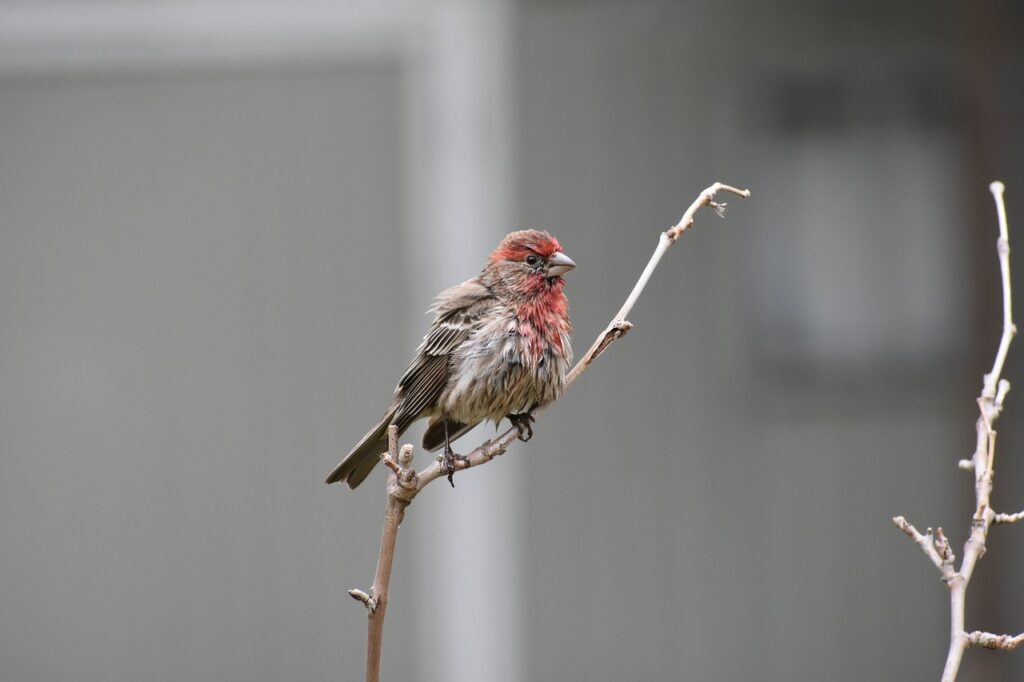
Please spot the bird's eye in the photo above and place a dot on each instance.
(531, 260)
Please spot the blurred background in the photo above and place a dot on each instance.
(221, 222)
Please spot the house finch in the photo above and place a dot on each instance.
(499, 347)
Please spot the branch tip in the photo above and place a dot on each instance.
(405, 456)
(935, 549)
(1001, 391)
(369, 602)
(393, 440)
(706, 198)
(390, 463)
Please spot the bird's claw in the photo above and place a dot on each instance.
(524, 424)
(448, 461)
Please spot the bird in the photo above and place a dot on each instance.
(499, 346)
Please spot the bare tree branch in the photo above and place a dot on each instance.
(401, 489)
(404, 483)
(1007, 518)
(990, 641)
(619, 326)
(935, 547)
(982, 462)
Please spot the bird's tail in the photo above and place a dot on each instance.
(364, 456)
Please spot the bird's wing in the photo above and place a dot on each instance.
(459, 310)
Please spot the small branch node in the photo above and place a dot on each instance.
(405, 476)
(987, 391)
(494, 448)
(1004, 388)
(390, 463)
(405, 456)
(966, 464)
(1003, 246)
(675, 232)
(927, 543)
(986, 404)
(615, 331)
(409, 482)
(945, 551)
(369, 602)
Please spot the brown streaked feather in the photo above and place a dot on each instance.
(422, 392)
(426, 378)
(460, 298)
(422, 384)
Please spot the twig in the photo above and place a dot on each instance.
(619, 326)
(1007, 518)
(401, 489)
(404, 483)
(936, 549)
(1009, 329)
(990, 641)
(990, 405)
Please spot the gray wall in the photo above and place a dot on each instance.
(179, 339)
(713, 502)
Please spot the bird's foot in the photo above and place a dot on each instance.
(524, 424)
(448, 461)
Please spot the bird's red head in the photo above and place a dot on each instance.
(517, 246)
(528, 265)
(533, 255)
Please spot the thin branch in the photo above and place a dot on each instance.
(934, 547)
(990, 641)
(1009, 328)
(982, 462)
(618, 326)
(401, 489)
(1001, 519)
(404, 483)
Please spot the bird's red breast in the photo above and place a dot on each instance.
(544, 316)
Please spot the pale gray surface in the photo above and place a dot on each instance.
(714, 500)
(180, 332)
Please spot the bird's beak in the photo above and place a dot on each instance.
(559, 264)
